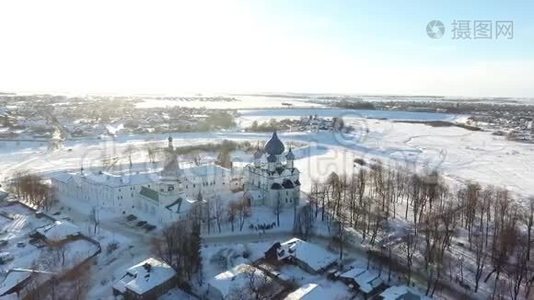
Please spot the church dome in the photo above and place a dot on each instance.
(274, 145)
(290, 155)
(271, 158)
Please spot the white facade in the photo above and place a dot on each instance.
(272, 180)
(165, 195)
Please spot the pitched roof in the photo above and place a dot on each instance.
(236, 278)
(59, 230)
(403, 292)
(314, 256)
(145, 276)
(149, 193)
(308, 291)
(367, 280)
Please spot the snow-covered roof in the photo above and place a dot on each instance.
(367, 280)
(404, 292)
(205, 170)
(12, 296)
(62, 177)
(12, 279)
(236, 278)
(59, 230)
(314, 256)
(145, 276)
(118, 180)
(310, 291)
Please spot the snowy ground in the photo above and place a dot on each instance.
(241, 102)
(459, 153)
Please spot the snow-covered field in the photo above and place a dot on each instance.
(240, 103)
(459, 153)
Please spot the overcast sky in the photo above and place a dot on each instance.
(172, 47)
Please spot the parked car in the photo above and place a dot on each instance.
(149, 227)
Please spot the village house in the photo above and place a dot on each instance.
(309, 257)
(234, 282)
(367, 282)
(146, 280)
(309, 291)
(401, 292)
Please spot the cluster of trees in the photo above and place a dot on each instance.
(155, 152)
(32, 189)
(179, 245)
(272, 125)
(498, 230)
(214, 212)
(354, 104)
(217, 120)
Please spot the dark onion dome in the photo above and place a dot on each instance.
(274, 145)
(287, 184)
(290, 155)
(276, 186)
(297, 182)
(271, 158)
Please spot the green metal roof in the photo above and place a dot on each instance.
(150, 193)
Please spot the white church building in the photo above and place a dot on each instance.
(272, 178)
(165, 194)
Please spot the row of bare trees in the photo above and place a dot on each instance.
(498, 229)
(32, 189)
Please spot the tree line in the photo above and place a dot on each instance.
(435, 217)
(32, 189)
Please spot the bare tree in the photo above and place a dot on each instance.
(95, 219)
(304, 223)
(231, 214)
(179, 246)
(259, 285)
(218, 211)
